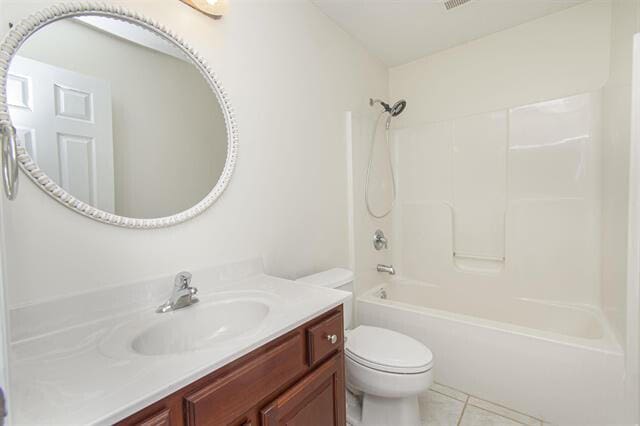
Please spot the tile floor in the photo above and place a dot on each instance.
(444, 406)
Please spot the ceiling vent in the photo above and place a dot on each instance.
(450, 4)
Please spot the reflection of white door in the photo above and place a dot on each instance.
(63, 119)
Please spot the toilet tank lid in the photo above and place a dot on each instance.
(333, 278)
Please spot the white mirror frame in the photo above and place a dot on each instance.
(20, 32)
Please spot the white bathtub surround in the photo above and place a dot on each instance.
(87, 372)
(498, 211)
(557, 363)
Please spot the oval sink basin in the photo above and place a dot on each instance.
(199, 327)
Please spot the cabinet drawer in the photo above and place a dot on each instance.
(325, 338)
(230, 396)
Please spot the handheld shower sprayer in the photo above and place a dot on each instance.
(392, 111)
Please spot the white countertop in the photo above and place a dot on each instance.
(80, 376)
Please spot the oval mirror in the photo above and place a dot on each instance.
(117, 119)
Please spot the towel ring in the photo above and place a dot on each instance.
(9, 161)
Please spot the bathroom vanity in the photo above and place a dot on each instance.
(297, 379)
(255, 349)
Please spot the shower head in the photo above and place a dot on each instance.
(394, 110)
(398, 107)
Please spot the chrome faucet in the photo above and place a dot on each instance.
(182, 295)
(386, 268)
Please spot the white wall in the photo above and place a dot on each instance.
(291, 75)
(162, 109)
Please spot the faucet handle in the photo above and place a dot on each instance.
(182, 280)
(379, 240)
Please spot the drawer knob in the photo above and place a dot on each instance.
(332, 338)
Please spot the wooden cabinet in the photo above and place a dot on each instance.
(298, 379)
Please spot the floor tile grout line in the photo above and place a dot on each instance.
(506, 408)
(449, 396)
(462, 412)
(502, 415)
(490, 402)
(455, 389)
(469, 396)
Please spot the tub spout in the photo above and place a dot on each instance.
(386, 268)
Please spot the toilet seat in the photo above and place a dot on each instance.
(387, 351)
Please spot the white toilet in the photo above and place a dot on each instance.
(386, 370)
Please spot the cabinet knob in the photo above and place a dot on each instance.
(332, 338)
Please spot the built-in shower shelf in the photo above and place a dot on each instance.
(479, 263)
(478, 257)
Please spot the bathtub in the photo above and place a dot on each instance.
(554, 361)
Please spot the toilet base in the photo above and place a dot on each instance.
(354, 408)
(377, 411)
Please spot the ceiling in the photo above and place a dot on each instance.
(400, 31)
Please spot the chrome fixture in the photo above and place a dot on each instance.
(379, 240)
(391, 111)
(386, 268)
(394, 110)
(182, 295)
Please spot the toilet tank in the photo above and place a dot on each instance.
(340, 279)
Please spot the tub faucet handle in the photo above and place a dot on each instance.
(379, 240)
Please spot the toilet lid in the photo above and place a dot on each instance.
(387, 350)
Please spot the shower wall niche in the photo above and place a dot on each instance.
(508, 199)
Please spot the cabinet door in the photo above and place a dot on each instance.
(225, 399)
(316, 400)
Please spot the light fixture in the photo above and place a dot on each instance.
(213, 8)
